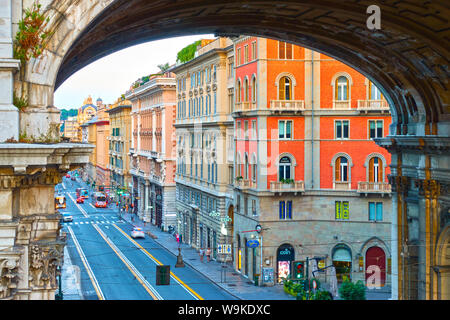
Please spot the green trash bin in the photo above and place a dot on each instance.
(256, 279)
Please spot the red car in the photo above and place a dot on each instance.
(80, 200)
(67, 175)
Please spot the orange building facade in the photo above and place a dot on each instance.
(306, 168)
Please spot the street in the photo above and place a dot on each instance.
(114, 266)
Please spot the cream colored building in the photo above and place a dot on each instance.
(119, 146)
(71, 129)
(204, 133)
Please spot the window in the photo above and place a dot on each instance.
(254, 130)
(341, 88)
(375, 170)
(374, 92)
(285, 168)
(245, 53)
(254, 207)
(284, 50)
(254, 168)
(285, 210)
(238, 133)
(254, 50)
(246, 129)
(375, 129)
(341, 210)
(375, 211)
(245, 166)
(285, 89)
(238, 57)
(246, 89)
(238, 204)
(285, 129)
(245, 205)
(254, 89)
(341, 129)
(341, 169)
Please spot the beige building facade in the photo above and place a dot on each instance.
(204, 135)
(152, 160)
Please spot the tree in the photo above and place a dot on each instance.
(163, 67)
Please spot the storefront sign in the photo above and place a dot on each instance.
(252, 243)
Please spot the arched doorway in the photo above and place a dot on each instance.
(442, 268)
(285, 256)
(375, 267)
(342, 261)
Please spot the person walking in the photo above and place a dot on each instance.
(208, 254)
(201, 252)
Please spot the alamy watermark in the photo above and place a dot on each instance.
(373, 22)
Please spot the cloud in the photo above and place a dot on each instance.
(112, 75)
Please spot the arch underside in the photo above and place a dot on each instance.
(407, 58)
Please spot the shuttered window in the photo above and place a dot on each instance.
(285, 89)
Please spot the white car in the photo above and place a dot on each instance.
(66, 217)
(137, 233)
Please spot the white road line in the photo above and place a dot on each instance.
(78, 206)
(129, 264)
(86, 264)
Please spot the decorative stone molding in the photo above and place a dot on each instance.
(9, 263)
(45, 260)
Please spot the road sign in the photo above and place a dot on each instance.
(224, 248)
(252, 243)
(258, 228)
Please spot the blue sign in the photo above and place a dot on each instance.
(252, 243)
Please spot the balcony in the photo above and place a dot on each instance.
(373, 187)
(244, 106)
(373, 105)
(287, 105)
(342, 185)
(341, 104)
(295, 186)
(245, 184)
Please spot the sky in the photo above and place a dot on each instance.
(110, 76)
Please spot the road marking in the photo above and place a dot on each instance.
(185, 286)
(91, 275)
(147, 286)
(78, 206)
(92, 206)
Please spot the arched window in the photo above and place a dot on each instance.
(246, 91)
(375, 170)
(238, 165)
(341, 88)
(341, 169)
(254, 168)
(285, 168)
(246, 166)
(285, 88)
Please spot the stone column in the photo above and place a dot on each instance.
(9, 114)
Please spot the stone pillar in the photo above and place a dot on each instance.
(9, 114)
(394, 250)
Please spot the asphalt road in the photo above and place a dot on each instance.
(113, 266)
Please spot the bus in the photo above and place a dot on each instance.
(84, 193)
(99, 200)
(60, 202)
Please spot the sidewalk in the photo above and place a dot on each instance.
(235, 283)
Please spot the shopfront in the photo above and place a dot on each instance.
(285, 256)
(342, 261)
(375, 267)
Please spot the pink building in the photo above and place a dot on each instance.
(152, 152)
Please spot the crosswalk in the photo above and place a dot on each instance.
(94, 222)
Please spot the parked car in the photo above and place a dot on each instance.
(80, 200)
(66, 217)
(72, 178)
(137, 233)
(67, 175)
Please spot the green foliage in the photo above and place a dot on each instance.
(352, 291)
(31, 38)
(287, 181)
(164, 67)
(20, 103)
(188, 52)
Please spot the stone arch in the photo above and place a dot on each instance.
(82, 34)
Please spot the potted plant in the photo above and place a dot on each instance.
(352, 291)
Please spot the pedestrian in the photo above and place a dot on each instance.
(201, 252)
(126, 208)
(208, 254)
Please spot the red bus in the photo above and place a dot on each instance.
(99, 200)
